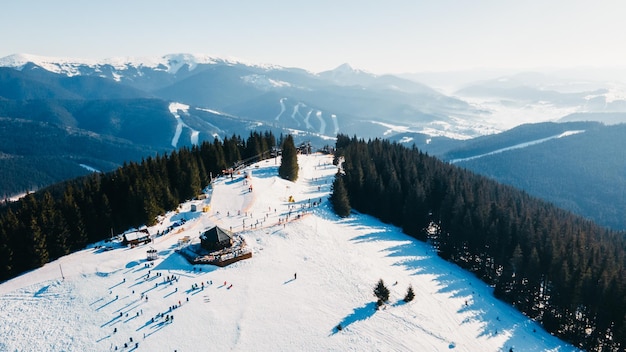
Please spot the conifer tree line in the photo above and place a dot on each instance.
(559, 269)
(66, 217)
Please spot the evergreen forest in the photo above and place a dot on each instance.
(63, 218)
(557, 268)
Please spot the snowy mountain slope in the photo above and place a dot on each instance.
(251, 91)
(96, 299)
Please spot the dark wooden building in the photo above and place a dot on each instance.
(216, 238)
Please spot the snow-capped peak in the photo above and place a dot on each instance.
(170, 63)
(346, 68)
(63, 65)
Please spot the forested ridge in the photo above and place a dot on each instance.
(66, 217)
(583, 172)
(557, 268)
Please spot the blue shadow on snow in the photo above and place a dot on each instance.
(360, 313)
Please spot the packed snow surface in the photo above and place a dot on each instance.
(100, 298)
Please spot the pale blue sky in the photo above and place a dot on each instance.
(390, 36)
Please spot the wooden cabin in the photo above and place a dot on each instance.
(216, 238)
(136, 237)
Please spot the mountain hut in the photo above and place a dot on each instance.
(136, 237)
(216, 238)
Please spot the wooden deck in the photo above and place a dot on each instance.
(221, 258)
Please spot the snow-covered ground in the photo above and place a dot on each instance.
(97, 300)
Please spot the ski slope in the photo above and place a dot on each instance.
(95, 299)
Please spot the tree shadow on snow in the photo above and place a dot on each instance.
(360, 313)
(476, 301)
(266, 171)
(175, 261)
(379, 234)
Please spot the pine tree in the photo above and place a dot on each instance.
(6, 252)
(409, 294)
(289, 162)
(339, 199)
(38, 251)
(381, 292)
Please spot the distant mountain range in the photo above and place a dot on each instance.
(342, 100)
(158, 104)
(61, 118)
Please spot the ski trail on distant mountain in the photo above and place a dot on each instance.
(194, 137)
(318, 114)
(282, 108)
(518, 146)
(333, 117)
(296, 111)
(174, 109)
(306, 120)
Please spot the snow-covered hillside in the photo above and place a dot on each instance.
(98, 300)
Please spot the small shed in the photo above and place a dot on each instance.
(152, 254)
(216, 238)
(136, 237)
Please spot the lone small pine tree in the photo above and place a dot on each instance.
(409, 294)
(381, 292)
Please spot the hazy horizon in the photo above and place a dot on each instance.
(390, 37)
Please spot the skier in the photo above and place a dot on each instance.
(295, 276)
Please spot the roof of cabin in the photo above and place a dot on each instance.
(216, 235)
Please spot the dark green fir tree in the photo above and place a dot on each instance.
(409, 294)
(339, 198)
(381, 292)
(289, 163)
